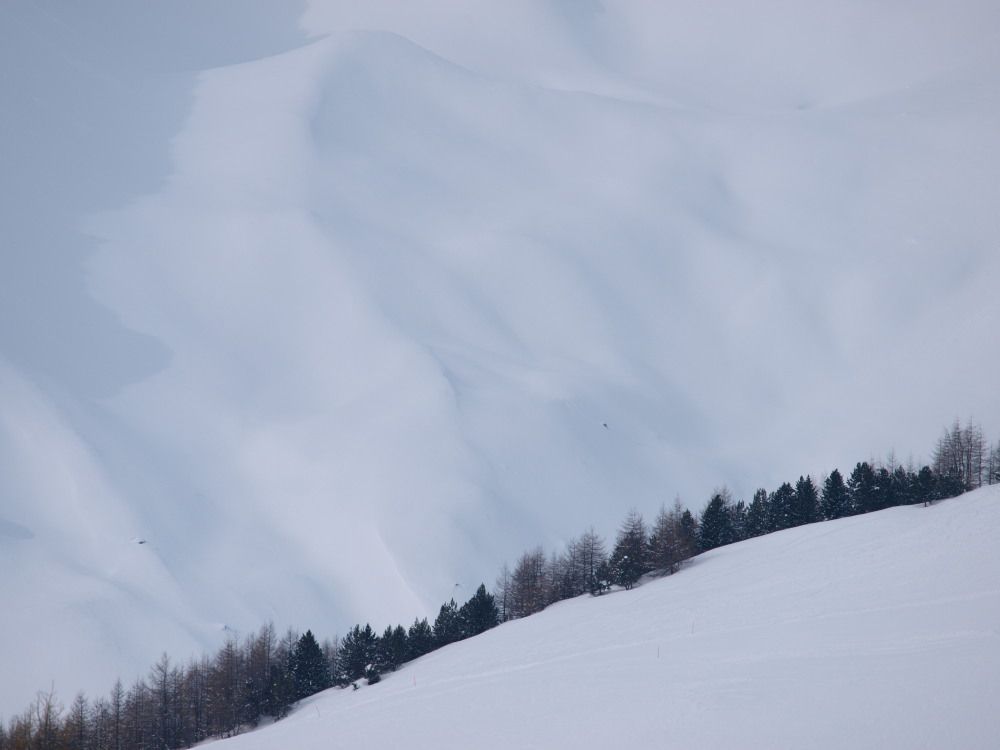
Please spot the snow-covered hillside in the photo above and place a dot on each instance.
(878, 631)
(337, 306)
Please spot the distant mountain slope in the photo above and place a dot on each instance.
(871, 632)
(336, 322)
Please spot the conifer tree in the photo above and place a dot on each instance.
(76, 728)
(420, 639)
(116, 706)
(662, 539)
(447, 625)
(806, 504)
(392, 648)
(331, 653)
(900, 487)
(47, 720)
(529, 584)
(949, 485)
(960, 456)
(924, 486)
(502, 592)
(883, 496)
(260, 651)
(602, 578)
(738, 520)
(593, 558)
(689, 534)
(309, 667)
(281, 681)
(780, 505)
(836, 501)
(358, 652)
(224, 689)
(562, 575)
(756, 523)
(628, 558)
(863, 487)
(162, 699)
(479, 614)
(667, 547)
(716, 527)
(98, 727)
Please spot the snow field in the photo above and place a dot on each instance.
(879, 631)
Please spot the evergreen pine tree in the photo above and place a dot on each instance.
(923, 489)
(949, 485)
(420, 639)
(738, 520)
(479, 614)
(628, 558)
(883, 491)
(392, 648)
(716, 527)
(863, 487)
(358, 652)
(780, 506)
(836, 501)
(805, 508)
(689, 535)
(280, 689)
(756, 522)
(447, 625)
(309, 667)
(900, 487)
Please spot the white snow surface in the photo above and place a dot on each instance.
(337, 316)
(878, 631)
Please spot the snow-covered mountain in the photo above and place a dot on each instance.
(870, 632)
(335, 307)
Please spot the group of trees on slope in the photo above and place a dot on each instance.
(962, 461)
(260, 675)
(586, 566)
(263, 674)
(963, 457)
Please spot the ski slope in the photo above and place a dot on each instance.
(879, 631)
(286, 287)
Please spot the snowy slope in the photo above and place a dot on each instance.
(280, 300)
(879, 631)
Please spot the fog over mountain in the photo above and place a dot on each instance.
(312, 313)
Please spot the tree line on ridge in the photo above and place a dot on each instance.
(264, 674)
